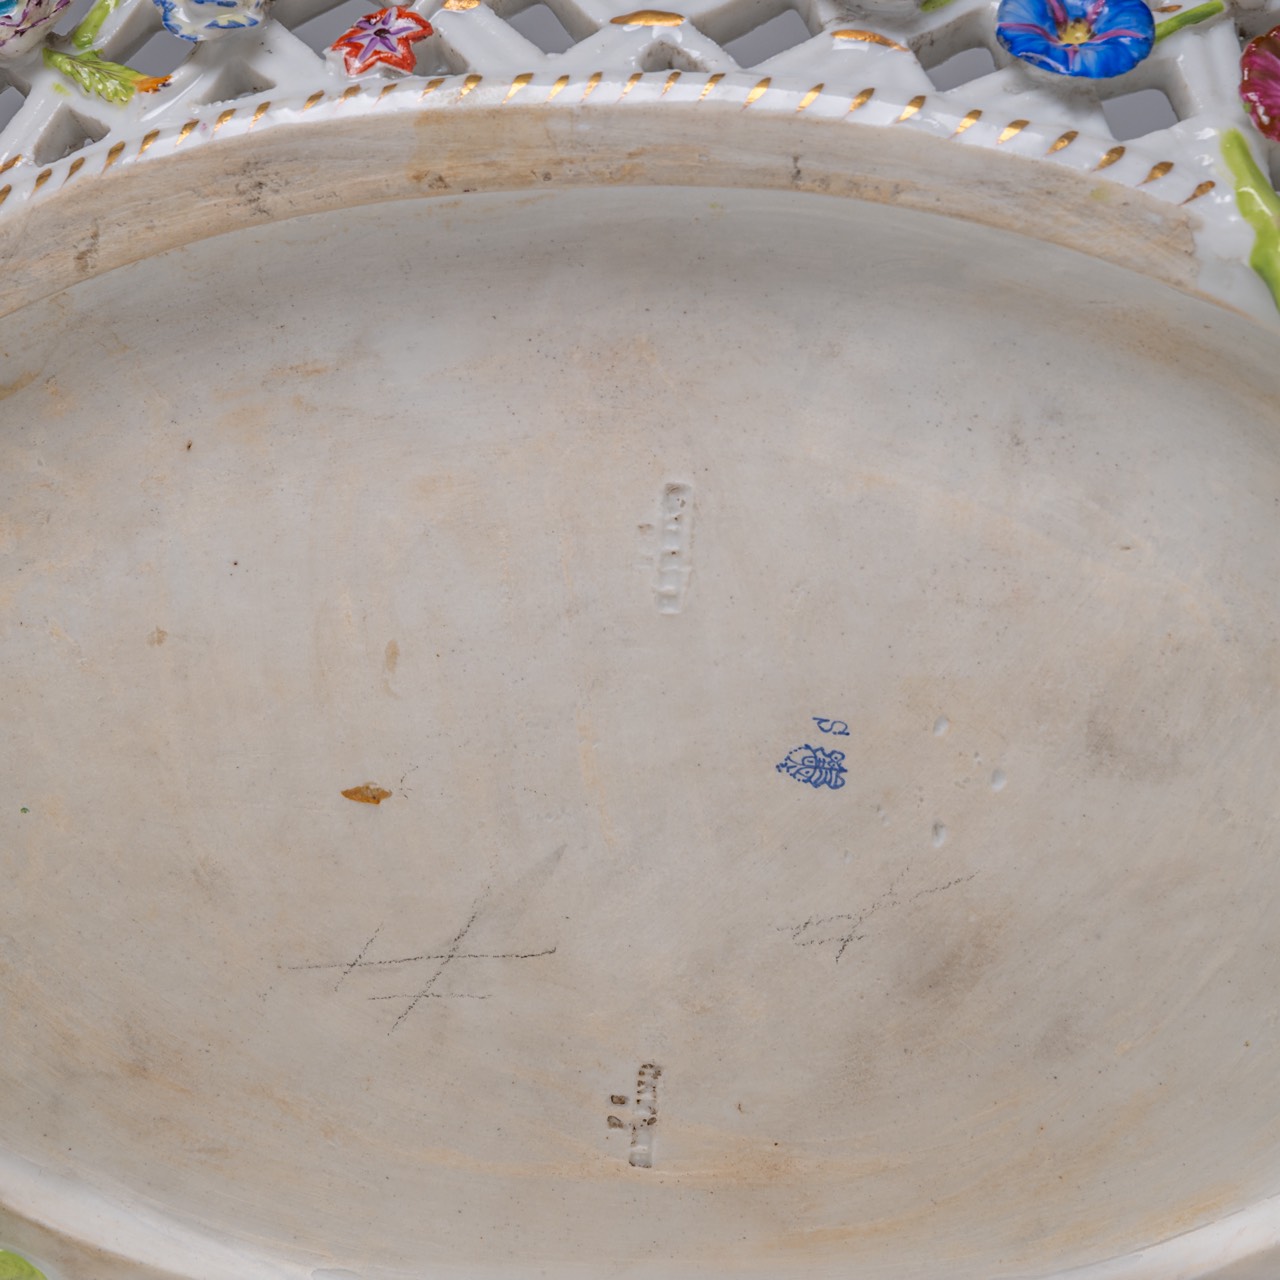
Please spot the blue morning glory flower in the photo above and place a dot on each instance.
(1093, 38)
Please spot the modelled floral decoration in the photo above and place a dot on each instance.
(814, 765)
(1260, 82)
(209, 19)
(382, 39)
(107, 80)
(83, 65)
(1259, 206)
(1092, 38)
(24, 25)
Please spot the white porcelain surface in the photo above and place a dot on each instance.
(564, 518)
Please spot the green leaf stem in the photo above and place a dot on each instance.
(1259, 206)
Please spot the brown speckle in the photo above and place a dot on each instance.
(392, 657)
(367, 793)
(87, 252)
(189, 444)
(158, 636)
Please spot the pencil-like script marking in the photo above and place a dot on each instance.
(432, 966)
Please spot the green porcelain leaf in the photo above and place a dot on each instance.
(1259, 206)
(108, 80)
(12, 1267)
(87, 32)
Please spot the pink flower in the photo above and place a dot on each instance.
(382, 38)
(1260, 82)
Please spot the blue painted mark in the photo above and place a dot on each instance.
(836, 727)
(815, 766)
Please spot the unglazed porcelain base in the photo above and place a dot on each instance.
(653, 733)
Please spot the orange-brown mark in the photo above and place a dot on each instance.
(158, 636)
(392, 657)
(12, 388)
(367, 793)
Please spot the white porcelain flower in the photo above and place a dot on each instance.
(25, 23)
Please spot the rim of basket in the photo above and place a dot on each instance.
(119, 202)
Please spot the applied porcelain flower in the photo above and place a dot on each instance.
(208, 19)
(1096, 39)
(1260, 82)
(23, 25)
(382, 39)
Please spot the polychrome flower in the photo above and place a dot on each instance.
(208, 19)
(382, 39)
(1260, 82)
(23, 25)
(1093, 38)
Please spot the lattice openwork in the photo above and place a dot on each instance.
(929, 66)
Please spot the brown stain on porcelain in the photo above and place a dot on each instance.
(367, 793)
(8, 389)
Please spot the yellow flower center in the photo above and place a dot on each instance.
(1075, 32)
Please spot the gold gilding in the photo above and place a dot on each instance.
(557, 88)
(262, 109)
(1011, 130)
(809, 98)
(9, 163)
(711, 84)
(632, 81)
(142, 146)
(1202, 190)
(311, 101)
(1065, 140)
(185, 132)
(596, 77)
(968, 122)
(112, 156)
(350, 93)
(1157, 171)
(4, 193)
(45, 174)
(516, 85)
(858, 36)
(223, 118)
(467, 85)
(671, 79)
(76, 165)
(1109, 159)
(757, 92)
(861, 100)
(912, 108)
(431, 87)
(386, 89)
(648, 18)
(459, 6)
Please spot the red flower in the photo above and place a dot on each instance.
(1260, 82)
(382, 37)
